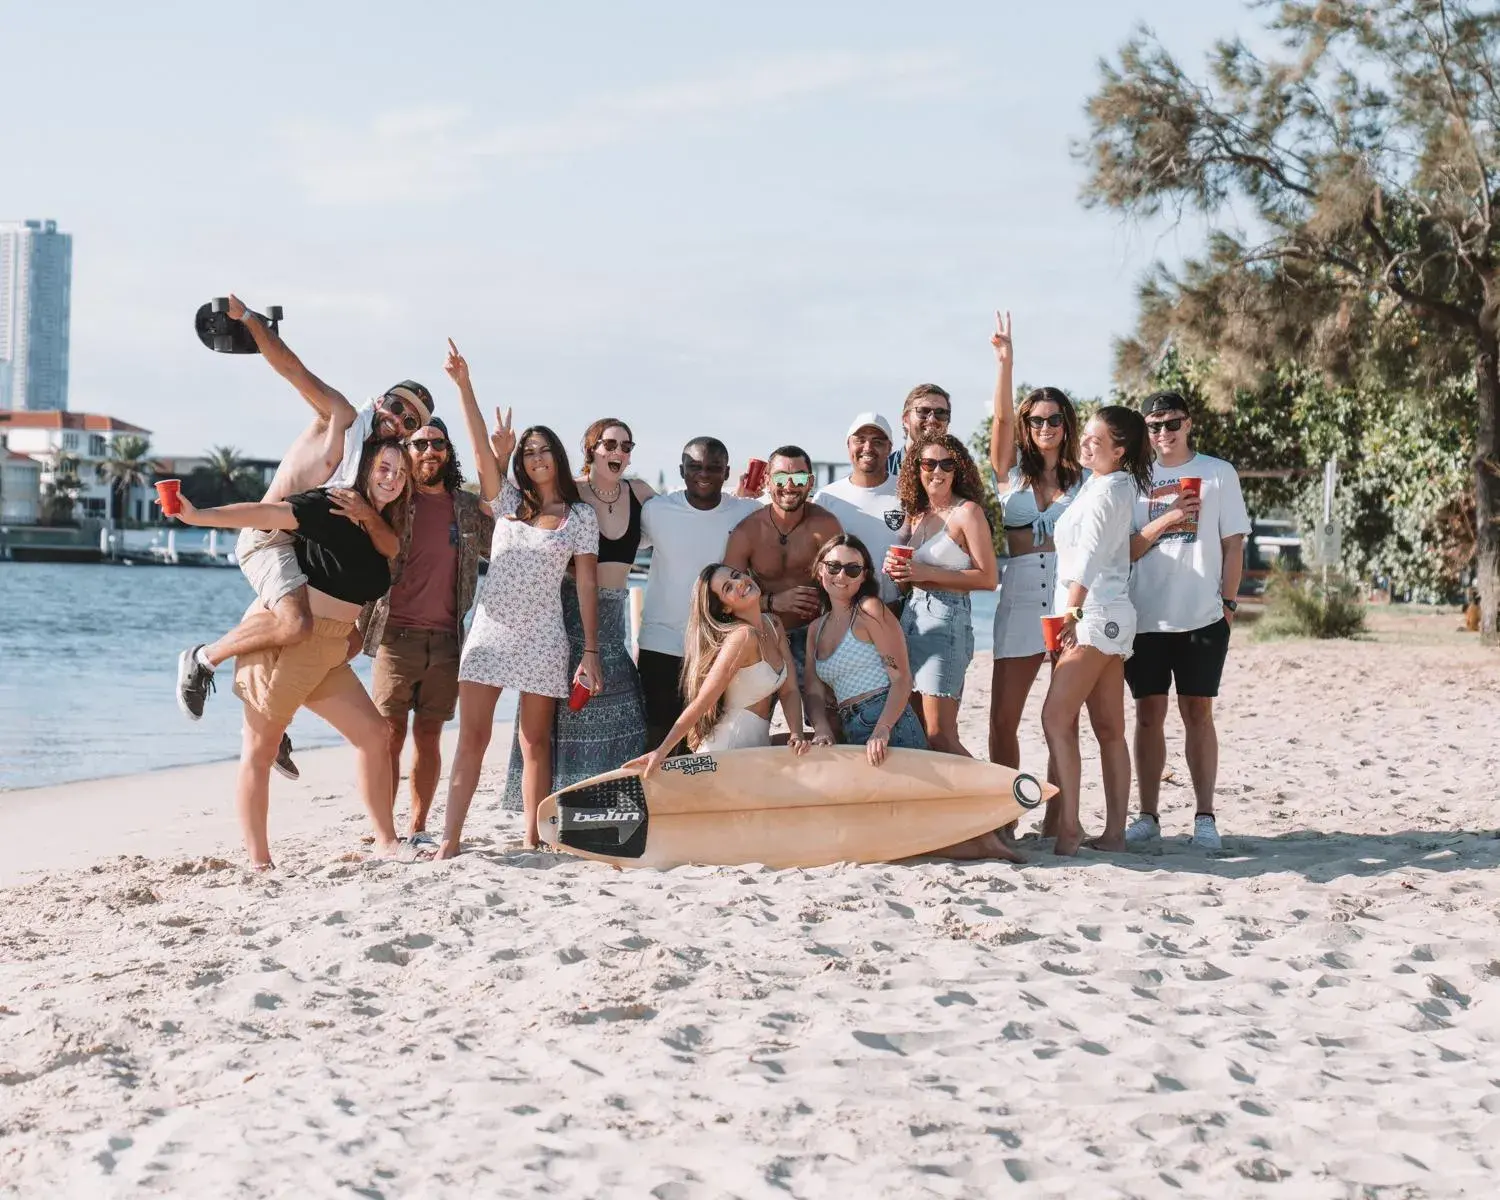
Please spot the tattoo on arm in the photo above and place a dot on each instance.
(890, 663)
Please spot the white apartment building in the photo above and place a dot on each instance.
(20, 488)
(89, 438)
(36, 273)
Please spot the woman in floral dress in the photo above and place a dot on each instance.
(518, 638)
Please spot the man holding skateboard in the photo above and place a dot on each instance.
(326, 453)
(1187, 555)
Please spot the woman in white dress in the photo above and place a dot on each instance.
(735, 669)
(518, 638)
(1093, 597)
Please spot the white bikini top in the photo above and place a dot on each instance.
(753, 684)
(943, 552)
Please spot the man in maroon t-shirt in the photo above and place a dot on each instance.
(416, 631)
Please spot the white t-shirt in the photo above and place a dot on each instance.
(684, 540)
(873, 515)
(1175, 585)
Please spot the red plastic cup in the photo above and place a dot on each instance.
(900, 553)
(170, 491)
(1052, 628)
(1190, 485)
(755, 475)
(579, 696)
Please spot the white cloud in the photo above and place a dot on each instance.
(436, 153)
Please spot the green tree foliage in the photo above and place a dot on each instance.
(127, 466)
(225, 479)
(60, 493)
(1366, 158)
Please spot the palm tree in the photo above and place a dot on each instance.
(225, 478)
(60, 493)
(126, 467)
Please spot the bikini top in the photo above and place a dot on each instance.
(753, 684)
(623, 548)
(853, 669)
(1018, 508)
(942, 551)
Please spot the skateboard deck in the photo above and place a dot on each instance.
(220, 332)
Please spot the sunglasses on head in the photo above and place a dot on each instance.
(610, 445)
(939, 464)
(931, 414)
(1172, 426)
(422, 445)
(792, 478)
(397, 407)
(1054, 420)
(852, 569)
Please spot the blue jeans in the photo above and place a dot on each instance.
(860, 718)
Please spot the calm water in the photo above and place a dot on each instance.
(88, 670)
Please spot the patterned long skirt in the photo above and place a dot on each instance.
(611, 728)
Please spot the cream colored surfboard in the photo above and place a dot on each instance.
(770, 806)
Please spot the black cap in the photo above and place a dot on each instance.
(438, 423)
(1158, 402)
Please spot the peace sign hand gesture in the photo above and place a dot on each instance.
(457, 366)
(1000, 339)
(503, 439)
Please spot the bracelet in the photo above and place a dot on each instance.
(587, 650)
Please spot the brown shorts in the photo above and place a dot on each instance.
(416, 670)
(276, 683)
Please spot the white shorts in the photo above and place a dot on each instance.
(268, 559)
(1110, 629)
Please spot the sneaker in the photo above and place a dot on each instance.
(1206, 833)
(1145, 828)
(284, 764)
(194, 682)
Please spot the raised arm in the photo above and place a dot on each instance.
(488, 460)
(982, 576)
(1003, 418)
(329, 404)
(276, 515)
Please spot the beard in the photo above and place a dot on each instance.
(788, 504)
(429, 473)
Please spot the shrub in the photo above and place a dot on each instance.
(1309, 608)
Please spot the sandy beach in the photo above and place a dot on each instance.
(1314, 1013)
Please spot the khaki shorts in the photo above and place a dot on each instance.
(416, 670)
(276, 683)
(268, 559)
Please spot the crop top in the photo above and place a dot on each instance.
(853, 669)
(623, 548)
(336, 554)
(1018, 507)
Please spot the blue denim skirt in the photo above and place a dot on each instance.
(939, 632)
(860, 718)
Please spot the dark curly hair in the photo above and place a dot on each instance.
(909, 488)
(1029, 458)
(531, 496)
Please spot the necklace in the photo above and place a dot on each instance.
(782, 537)
(603, 500)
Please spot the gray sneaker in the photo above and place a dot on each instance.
(1206, 833)
(1145, 828)
(194, 682)
(284, 764)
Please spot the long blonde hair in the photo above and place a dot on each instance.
(708, 627)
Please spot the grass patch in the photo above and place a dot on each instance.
(1308, 608)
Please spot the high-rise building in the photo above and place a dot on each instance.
(36, 280)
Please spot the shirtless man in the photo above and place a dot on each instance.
(779, 543)
(326, 453)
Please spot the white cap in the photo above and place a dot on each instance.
(865, 420)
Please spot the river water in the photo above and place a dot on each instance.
(88, 670)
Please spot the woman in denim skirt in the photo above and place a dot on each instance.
(953, 555)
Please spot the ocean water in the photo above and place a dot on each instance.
(88, 670)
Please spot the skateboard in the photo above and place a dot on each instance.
(219, 331)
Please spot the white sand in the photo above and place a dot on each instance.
(1313, 1015)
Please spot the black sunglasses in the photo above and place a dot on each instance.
(422, 445)
(610, 445)
(396, 406)
(939, 464)
(1171, 426)
(932, 414)
(853, 570)
(1053, 420)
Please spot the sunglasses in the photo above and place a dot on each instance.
(939, 464)
(852, 569)
(422, 445)
(791, 478)
(932, 414)
(1172, 426)
(1055, 420)
(610, 445)
(411, 421)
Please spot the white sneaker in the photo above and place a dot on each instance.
(1206, 833)
(1145, 828)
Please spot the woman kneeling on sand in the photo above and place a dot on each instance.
(344, 571)
(735, 669)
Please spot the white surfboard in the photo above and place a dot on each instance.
(770, 806)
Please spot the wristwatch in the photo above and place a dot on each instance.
(1076, 613)
(1231, 605)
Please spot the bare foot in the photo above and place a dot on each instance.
(1068, 841)
(1114, 845)
(986, 845)
(390, 849)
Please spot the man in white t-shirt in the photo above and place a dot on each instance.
(1188, 555)
(687, 530)
(865, 502)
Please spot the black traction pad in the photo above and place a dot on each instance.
(609, 818)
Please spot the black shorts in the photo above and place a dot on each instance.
(1195, 660)
(662, 693)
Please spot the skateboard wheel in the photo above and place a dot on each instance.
(273, 313)
(1026, 790)
(219, 304)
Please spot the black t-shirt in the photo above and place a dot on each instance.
(337, 554)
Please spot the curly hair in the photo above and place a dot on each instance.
(1029, 457)
(966, 482)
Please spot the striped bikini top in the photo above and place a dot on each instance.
(853, 669)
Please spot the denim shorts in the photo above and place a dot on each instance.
(860, 718)
(939, 641)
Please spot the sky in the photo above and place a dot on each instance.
(749, 221)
